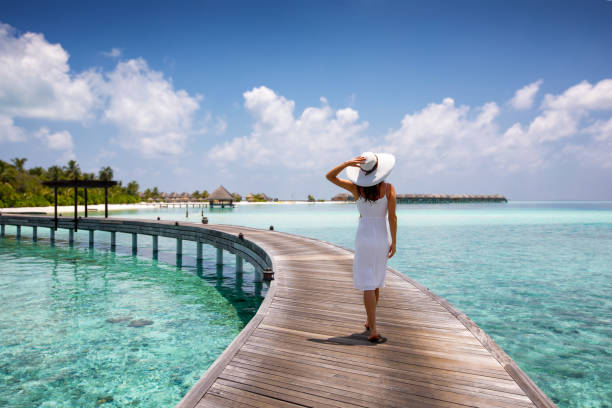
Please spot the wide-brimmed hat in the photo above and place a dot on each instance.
(376, 168)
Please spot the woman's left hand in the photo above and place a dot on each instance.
(391, 250)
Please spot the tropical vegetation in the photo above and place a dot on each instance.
(21, 187)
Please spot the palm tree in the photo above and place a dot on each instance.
(105, 174)
(17, 162)
(54, 172)
(8, 173)
(72, 170)
(132, 188)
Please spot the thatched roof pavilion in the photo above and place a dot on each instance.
(220, 197)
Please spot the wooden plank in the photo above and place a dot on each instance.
(372, 392)
(242, 396)
(342, 372)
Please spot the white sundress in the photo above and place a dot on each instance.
(372, 243)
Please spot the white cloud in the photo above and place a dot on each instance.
(442, 136)
(57, 141)
(153, 117)
(36, 82)
(445, 137)
(583, 96)
(61, 141)
(320, 135)
(523, 98)
(563, 117)
(220, 126)
(113, 53)
(9, 132)
(602, 130)
(596, 151)
(553, 125)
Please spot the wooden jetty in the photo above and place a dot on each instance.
(306, 345)
(449, 198)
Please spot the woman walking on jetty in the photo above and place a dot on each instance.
(374, 243)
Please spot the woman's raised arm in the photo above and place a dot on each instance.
(332, 175)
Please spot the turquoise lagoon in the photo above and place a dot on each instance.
(536, 276)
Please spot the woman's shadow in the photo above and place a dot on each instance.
(355, 339)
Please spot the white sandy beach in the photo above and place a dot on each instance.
(69, 209)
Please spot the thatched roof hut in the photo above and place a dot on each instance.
(220, 197)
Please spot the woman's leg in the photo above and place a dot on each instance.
(376, 293)
(369, 301)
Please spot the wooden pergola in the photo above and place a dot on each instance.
(76, 183)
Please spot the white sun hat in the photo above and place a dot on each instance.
(376, 168)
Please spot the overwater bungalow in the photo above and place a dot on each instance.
(343, 197)
(220, 197)
(450, 198)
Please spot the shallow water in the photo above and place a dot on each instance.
(536, 276)
(83, 327)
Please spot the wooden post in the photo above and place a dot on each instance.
(52, 235)
(113, 240)
(105, 202)
(34, 234)
(239, 281)
(55, 219)
(258, 274)
(71, 237)
(155, 244)
(179, 247)
(239, 267)
(199, 251)
(76, 201)
(85, 202)
(134, 243)
(18, 234)
(91, 238)
(219, 256)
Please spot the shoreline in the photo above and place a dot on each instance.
(140, 206)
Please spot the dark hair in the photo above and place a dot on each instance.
(369, 193)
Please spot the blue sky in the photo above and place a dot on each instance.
(472, 97)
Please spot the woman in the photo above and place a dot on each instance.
(373, 244)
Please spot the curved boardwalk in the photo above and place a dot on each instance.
(306, 345)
